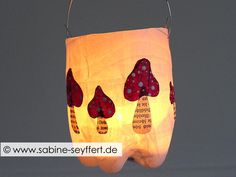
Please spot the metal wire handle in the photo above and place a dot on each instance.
(68, 33)
(168, 18)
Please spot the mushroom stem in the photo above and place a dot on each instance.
(174, 109)
(102, 126)
(73, 121)
(142, 122)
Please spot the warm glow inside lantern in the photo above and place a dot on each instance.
(120, 89)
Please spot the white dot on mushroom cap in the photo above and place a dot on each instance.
(140, 84)
(133, 81)
(104, 99)
(133, 74)
(109, 111)
(138, 72)
(153, 87)
(129, 90)
(144, 68)
(149, 94)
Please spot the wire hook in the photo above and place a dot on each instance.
(68, 33)
(169, 18)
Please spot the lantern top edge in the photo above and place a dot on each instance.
(163, 30)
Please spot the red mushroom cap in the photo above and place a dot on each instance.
(74, 92)
(101, 105)
(172, 93)
(141, 82)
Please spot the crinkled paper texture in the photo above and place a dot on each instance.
(106, 60)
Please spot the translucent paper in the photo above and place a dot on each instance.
(142, 122)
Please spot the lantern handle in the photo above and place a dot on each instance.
(168, 18)
(68, 33)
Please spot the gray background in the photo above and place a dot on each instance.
(32, 92)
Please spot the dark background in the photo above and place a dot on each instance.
(32, 92)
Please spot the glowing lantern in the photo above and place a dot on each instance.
(120, 89)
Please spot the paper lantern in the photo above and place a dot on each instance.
(120, 89)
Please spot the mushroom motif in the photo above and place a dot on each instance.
(102, 108)
(74, 98)
(172, 98)
(139, 85)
